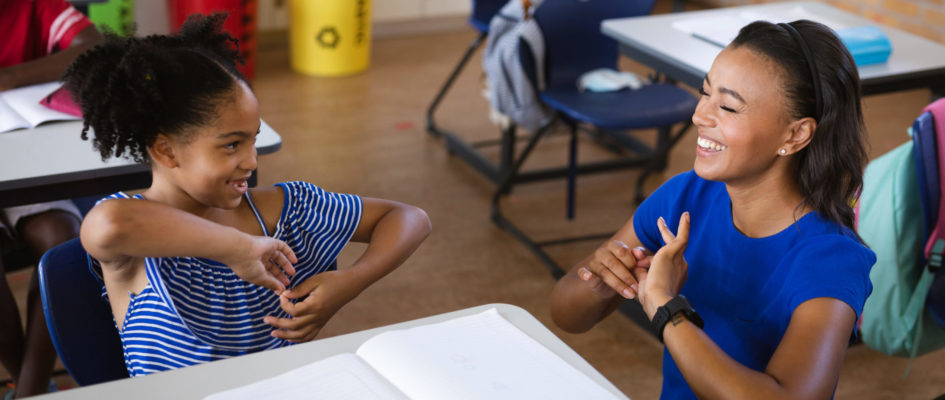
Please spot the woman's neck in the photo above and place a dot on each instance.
(766, 206)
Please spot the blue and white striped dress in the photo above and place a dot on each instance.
(195, 310)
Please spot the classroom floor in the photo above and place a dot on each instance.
(365, 134)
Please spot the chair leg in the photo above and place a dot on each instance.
(431, 123)
(572, 169)
(665, 142)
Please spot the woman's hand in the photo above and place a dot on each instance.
(613, 269)
(326, 293)
(265, 261)
(668, 268)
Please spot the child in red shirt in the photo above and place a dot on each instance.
(40, 39)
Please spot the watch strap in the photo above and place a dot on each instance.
(678, 304)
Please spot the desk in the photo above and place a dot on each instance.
(202, 380)
(52, 162)
(652, 40)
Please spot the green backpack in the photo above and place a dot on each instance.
(890, 220)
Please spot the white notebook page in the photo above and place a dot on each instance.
(25, 101)
(481, 356)
(340, 377)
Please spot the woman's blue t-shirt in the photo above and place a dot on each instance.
(746, 289)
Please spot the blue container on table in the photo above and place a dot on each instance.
(868, 44)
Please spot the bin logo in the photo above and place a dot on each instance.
(328, 37)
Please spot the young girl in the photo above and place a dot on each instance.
(199, 266)
(774, 274)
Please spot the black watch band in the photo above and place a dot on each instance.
(677, 304)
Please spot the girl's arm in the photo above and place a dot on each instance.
(118, 230)
(392, 230)
(806, 364)
(596, 285)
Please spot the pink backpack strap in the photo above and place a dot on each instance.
(936, 243)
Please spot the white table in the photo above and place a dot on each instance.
(915, 62)
(201, 380)
(52, 162)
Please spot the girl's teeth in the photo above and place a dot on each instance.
(710, 145)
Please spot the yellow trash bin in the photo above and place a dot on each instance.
(330, 37)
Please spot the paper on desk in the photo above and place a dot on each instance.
(481, 356)
(723, 28)
(340, 377)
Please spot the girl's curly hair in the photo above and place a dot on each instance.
(130, 89)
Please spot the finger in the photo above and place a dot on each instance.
(284, 263)
(288, 253)
(290, 335)
(291, 324)
(587, 276)
(304, 288)
(622, 252)
(617, 267)
(625, 290)
(664, 231)
(271, 283)
(643, 259)
(682, 233)
(273, 269)
(640, 274)
(287, 306)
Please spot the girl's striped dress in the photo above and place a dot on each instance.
(196, 310)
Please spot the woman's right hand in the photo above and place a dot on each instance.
(265, 261)
(614, 268)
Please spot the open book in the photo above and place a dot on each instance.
(481, 356)
(20, 108)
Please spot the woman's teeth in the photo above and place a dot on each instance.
(709, 145)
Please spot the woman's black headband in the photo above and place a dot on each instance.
(810, 62)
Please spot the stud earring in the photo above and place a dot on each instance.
(783, 152)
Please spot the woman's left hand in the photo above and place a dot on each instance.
(668, 269)
(326, 293)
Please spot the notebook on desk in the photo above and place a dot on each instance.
(721, 29)
(481, 356)
(20, 108)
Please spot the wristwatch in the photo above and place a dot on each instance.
(677, 304)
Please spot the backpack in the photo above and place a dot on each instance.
(514, 57)
(900, 218)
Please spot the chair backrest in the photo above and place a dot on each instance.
(483, 11)
(574, 43)
(930, 126)
(79, 320)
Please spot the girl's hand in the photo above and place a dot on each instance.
(668, 268)
(614, 268)
(326, 293)
(265, 261)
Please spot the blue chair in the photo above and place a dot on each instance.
(481, 16)
(574, 45)
(79, 320)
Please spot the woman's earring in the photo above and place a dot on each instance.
(783, 152)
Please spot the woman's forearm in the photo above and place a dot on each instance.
(575, 307)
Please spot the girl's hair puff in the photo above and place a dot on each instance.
(131, 89)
